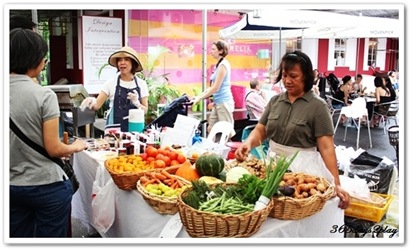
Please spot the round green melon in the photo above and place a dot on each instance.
(210, 165)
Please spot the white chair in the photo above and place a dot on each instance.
(354, 112)
(226, 129)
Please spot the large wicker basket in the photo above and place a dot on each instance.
(128, 180)
(204, 224)
(289, 208)
(161, 204)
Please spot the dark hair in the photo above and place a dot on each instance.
(290, 59)
(222, 45)
(253, 83)
(359, 76)
(19, 21)
(378, 81)
(346, 78)
(27, 50)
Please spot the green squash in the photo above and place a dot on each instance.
(210, 165)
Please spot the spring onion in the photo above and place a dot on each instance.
(274, 174)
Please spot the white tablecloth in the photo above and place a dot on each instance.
(135, 218)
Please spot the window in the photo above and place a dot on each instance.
(294, 45)
(340, 51)
(373, 47)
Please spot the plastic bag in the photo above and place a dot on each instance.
(104, 200)
(378, 175)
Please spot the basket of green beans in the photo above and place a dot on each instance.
(223, 210)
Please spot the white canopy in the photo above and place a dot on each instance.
(284, 24)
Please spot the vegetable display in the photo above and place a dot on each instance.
(275, 172)
(187, 171)
(210, 165)
(225, 198)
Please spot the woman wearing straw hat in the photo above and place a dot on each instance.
(124, 92)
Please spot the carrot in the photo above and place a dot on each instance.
(143, 179)
(165, 173)
(149, 182)
(150, 175)
(174, 185)
(160, 176)
(158, 181)
(179, 183)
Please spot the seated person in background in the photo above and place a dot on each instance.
(387, 82)
(357, 85)
(342, 93)
(255, 100)
(315, 87)
(382, 95)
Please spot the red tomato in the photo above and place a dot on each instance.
(172, 155)
(151, 151)
(159, 156)
(166, 160)
(159, 164)
(174, 163)
(181, 158)
(150, 160)
(144, 156)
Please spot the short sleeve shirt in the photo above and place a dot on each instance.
(297, 124)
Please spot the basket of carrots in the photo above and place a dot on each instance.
(126, 170)
(160, 190)
(300, 195)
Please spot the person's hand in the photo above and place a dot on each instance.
(80, 145)
(134, 98)
(196, 100)
(88, 102)
(242, 152)
(343, 196)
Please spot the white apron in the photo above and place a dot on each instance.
(307, 161)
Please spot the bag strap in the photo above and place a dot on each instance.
(248, 94)
(33, 144)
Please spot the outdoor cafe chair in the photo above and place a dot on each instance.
(355, 112)
(386, 111)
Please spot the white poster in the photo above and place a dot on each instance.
(101, 37)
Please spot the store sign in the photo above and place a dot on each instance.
(101, 37)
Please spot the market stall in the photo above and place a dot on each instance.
(135, 218)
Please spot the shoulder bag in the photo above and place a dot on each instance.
(64, 164)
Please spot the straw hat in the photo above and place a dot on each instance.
(125, 52)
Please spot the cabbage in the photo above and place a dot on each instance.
(235, 173)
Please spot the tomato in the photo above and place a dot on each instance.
(150, 160)
(159, 156)
(174, 163)
(166, 160)
(159, 164)
(151, 151)
(172, 155)
(163, 151)
(181, 158)
(144, 156)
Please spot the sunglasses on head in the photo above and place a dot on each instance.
(295, 56)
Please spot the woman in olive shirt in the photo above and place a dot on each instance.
(299, 120)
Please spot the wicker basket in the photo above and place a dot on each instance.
(289, 208)
(127, 180)
(204, 224)
(161, 204)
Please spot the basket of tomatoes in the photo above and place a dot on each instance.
(126, 170)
